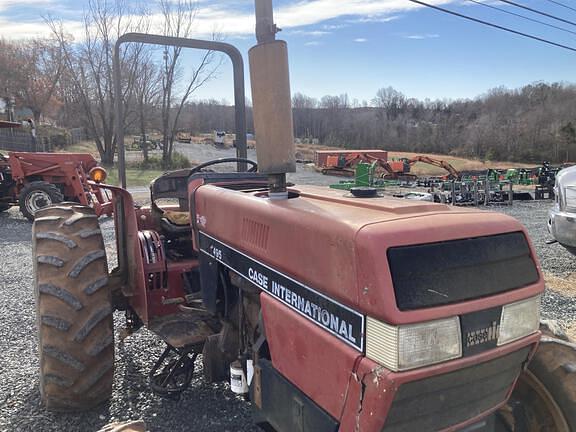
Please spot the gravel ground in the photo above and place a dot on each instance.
(554, 258)
(203, 407)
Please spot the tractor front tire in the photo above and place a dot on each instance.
(545, 395)
(74, 309)
(37, 195)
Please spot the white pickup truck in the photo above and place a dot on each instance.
(562, 217)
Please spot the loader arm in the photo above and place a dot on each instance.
(381, 163)
(454, 173)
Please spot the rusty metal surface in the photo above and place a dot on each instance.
(272, 108)
(337, 244)
(183, 329)
(9, 125)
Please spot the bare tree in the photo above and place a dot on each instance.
(178, 21)
(30, 70)
(147, 95)
(90, 66)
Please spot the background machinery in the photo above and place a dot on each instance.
(343, 162)
(36, 180)
(330, 312)
(401, 169)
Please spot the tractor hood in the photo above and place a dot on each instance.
(344, 247)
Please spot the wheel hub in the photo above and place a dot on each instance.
(37, 200)
(539, 410)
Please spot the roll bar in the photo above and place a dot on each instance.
(239, 90)
(240, 117)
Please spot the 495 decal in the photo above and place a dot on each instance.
(339, 320)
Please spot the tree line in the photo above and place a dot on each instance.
(534, 123)
(70, 82)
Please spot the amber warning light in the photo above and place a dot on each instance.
(98, 174)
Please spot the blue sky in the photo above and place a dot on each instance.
(358, 46)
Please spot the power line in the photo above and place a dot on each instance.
(521, 16)
(538, 12)
(562, 4)
(506, 29)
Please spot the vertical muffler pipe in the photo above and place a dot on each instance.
(272, 102)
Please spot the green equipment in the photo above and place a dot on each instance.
(520, 176)
(364, 176)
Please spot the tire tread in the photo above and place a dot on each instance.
(75, 324)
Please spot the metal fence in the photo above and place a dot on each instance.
(22, 140)
(15, 140)
(77, 135)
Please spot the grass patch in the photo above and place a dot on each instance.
(82, 147)
(134, 176)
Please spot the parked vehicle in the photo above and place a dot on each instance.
(184, 137)
(36, 180)
(138, 143)
(562, 216)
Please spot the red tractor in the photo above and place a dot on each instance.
(332, 313)
(37, 180)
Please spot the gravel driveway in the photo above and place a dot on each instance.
(203, 407)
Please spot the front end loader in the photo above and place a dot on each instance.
(329, 312)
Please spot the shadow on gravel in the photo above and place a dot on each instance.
(31, 416)
(202, 407)
(14, 228)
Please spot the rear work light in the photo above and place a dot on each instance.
(406, 347)
(519, 319)
(98, 174)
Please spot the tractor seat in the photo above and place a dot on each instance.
(172, 185)
(178, 218)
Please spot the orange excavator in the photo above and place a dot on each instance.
(397, 169)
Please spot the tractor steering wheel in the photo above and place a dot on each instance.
(198, 168)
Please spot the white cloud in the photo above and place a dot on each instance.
(375, 19)
(422, 36)
(313, 43)
(360, 40)
(6, 4)
(334, 26)
(36, 29)
(228, 21)
(301, 14)
(313, 33)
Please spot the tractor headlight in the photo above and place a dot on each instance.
(405, 347)
(570, 197)
(98, 174)
(519, 320)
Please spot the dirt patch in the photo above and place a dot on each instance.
(565, 286)
(571, 332)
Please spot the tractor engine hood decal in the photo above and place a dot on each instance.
(337, 319)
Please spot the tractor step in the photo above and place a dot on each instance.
(173, 371)
(184, 329)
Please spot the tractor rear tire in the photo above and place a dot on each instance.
(37, 195)
(74, 308)
(545, 394)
